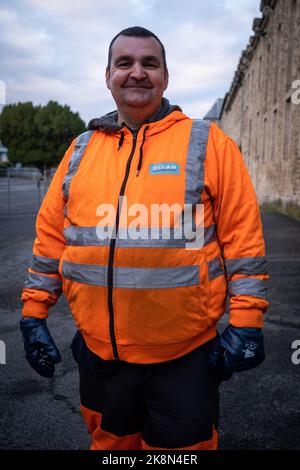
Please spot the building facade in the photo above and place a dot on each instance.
(262, 108)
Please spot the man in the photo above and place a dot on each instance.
(146, 304)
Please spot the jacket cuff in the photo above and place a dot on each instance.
(246, 318)
(35, 309)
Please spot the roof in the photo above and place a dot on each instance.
(216, 110)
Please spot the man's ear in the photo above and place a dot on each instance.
(107, 77)
(166, 79)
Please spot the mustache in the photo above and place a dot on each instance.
(137, 85)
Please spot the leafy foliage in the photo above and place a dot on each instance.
(38, 135)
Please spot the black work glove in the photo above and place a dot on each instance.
(235, 350)
(41, 351)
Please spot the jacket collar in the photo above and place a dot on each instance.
(109, 122)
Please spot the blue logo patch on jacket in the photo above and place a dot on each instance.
(164, 168)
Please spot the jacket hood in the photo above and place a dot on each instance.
(109, 122)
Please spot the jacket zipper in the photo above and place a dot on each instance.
(112, 253)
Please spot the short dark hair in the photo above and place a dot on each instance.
(137, 32)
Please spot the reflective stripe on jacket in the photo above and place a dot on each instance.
(149, 298)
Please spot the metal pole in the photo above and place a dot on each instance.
(38, 182)
(8, 191)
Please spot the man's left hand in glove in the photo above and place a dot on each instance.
(235, 350)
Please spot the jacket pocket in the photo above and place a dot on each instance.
(172, 309)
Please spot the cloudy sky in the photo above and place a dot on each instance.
(57, 49)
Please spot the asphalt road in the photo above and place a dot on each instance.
(260, 409)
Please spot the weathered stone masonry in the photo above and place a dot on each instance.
(258, 111)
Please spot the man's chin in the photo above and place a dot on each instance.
(137, 102)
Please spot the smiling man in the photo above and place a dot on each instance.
(136, 81)
(146, 307)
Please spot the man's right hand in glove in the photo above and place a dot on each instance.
(41, 351)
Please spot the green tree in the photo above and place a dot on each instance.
(38, 135)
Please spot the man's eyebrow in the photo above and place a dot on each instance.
(129, 57)
(123, 57)
(151, 57)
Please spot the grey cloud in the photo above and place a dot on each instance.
(54, 49)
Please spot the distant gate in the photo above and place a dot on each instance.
(22, 190)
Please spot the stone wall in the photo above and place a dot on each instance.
(260, 111)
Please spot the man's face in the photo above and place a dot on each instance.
(137, 77)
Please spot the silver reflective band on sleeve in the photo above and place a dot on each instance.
(215, 269)
(149, 238)
(40, 282)
(79, 149)
(248, 286)
(194, 181)
(132, 278)
(42, 264)
(248, 266)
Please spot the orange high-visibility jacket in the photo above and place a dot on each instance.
(151, 298)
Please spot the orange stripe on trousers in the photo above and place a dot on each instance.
(103, 440)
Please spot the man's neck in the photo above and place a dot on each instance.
(134, 123)
(128, 123)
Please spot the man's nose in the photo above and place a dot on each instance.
(137, 72)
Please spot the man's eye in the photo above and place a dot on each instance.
(151, 65)
(123, 64)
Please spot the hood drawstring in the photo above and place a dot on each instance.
(141, 152)
(121, 140)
